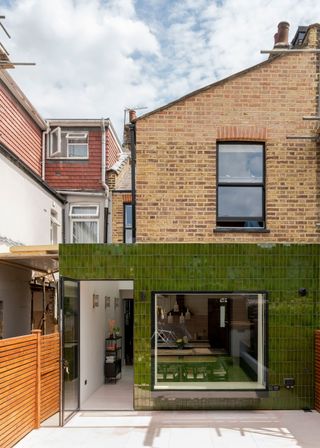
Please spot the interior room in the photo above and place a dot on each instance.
(209, 341)
(106, 345)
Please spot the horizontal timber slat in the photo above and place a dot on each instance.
(20, 373)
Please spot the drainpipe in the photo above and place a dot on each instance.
(43, 162)
(132, 128)
(103, 170)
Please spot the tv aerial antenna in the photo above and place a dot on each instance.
(5, 62)
(128, 109)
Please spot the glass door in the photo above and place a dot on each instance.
(70, 365)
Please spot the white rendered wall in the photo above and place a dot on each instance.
(93, 331)
(25, 208)
(16, 296)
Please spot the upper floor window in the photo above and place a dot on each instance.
(127, 228)
(240, 185)
(84, 223)
(68, 144)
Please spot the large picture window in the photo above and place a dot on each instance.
(209, 341)
(240, 186)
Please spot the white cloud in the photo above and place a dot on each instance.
(94, 58)
(85, 56)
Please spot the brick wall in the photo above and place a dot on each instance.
(118, 199)
(18, 132)
(176, 155)
(78, 174)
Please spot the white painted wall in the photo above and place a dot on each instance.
(25, 208)
(93, 331)
(16, 296)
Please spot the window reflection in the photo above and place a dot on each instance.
(240, 194)
(240, 202)
(240, 163)
(219, 343)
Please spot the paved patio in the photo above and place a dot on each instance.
(200, 429)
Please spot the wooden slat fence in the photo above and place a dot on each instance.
(29, 384)
(50, 375)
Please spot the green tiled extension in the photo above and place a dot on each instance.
(279, 269)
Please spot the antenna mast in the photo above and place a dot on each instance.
(5, 62)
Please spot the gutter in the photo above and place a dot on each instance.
(43, 162)
(103, 158)
(79, 193)
(103, 180)
(132, 128)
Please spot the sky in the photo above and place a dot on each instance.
(95, 58)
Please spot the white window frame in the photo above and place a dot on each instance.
(72, 221)
(54, 226)
(58, 151)
(81, 215)
(77, 136)
(68, 135)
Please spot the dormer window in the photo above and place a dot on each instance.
(68, 144)
(77, 144)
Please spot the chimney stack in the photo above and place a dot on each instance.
(132, 115)
(281, 38)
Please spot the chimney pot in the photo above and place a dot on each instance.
(132, 115)
(281, 38)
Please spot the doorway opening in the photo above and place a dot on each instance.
(97, 346)
(106, 345)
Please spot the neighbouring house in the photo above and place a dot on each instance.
(78, 155)
(58, 180)
(31, 211)
(225, 217)
(119, 178)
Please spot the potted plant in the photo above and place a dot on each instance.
(180, 343)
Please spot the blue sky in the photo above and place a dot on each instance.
(96, 57)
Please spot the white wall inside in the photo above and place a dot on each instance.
(25, 209)
(94, 328)
(16, 297)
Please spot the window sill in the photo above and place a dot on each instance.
(207, 394)
(239, 230)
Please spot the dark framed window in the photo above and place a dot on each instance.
(209, 340)
(127, 223)
(241, 185)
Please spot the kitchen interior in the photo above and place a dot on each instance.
(205, 338)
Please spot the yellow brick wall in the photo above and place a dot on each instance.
(176, 155)
(118, 199)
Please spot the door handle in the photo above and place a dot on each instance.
(66, 366)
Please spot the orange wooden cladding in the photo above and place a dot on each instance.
(50, 375)
(317, 371)
(29, 384)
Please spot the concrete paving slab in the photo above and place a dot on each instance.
(172, 429)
